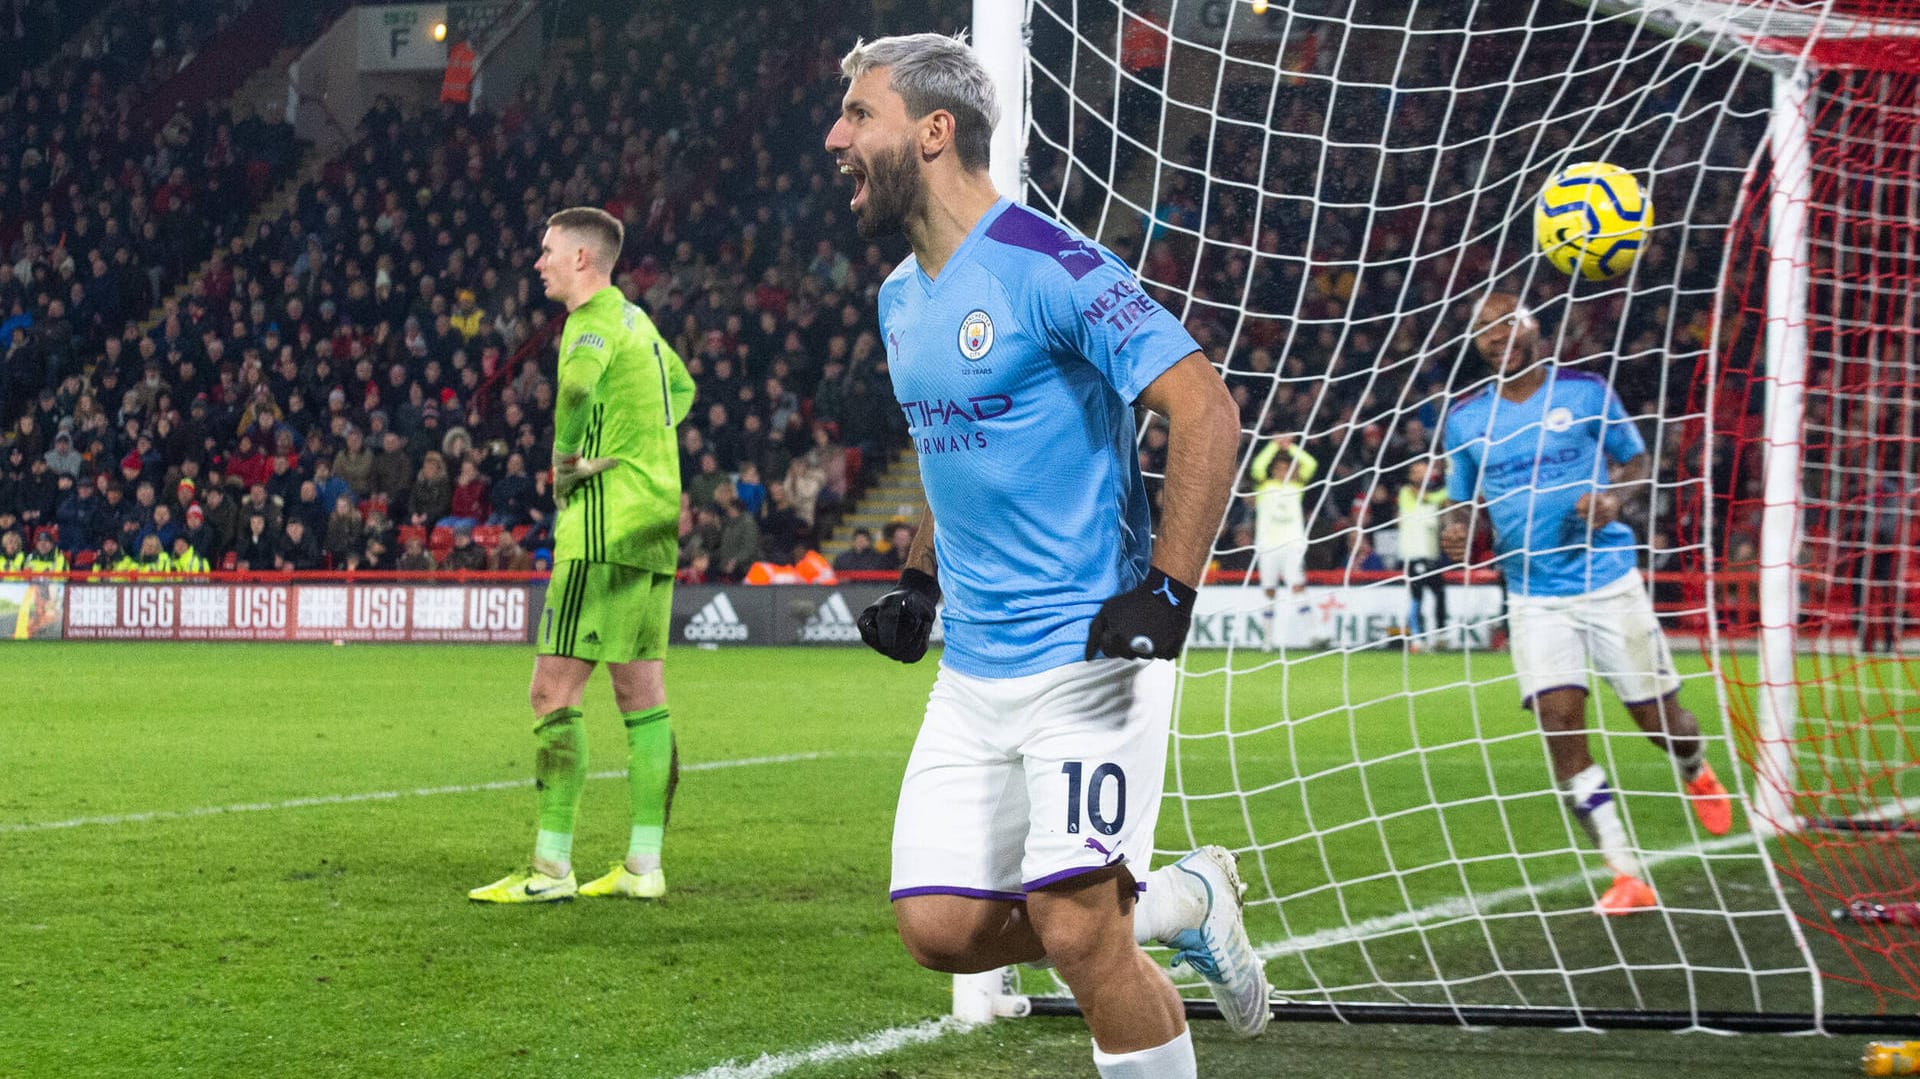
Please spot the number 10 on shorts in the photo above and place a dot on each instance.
(1096, 788)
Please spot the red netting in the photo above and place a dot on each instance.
(1855, 777)
(1876, 35)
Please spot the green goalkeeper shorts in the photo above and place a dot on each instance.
(604, 612)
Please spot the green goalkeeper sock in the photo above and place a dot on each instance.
(650, 782)
(559, 773)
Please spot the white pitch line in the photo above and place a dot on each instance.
(1462, 906)
(884, 1041)
(369, 796)
(875, 1044)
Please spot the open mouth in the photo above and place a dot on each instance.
(859, 183)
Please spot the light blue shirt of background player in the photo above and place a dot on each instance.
(1017, 370)
(1532, 460)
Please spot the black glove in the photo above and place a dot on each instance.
(1149, 622)
(897, 624)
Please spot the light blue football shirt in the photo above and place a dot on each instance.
(1017, 370)
(1529, 462)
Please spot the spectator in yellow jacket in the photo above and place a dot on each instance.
(46, 558)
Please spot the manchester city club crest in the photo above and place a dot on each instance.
(976, 334)
(1559, 419)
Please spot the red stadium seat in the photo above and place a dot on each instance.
(440, 541)
(486, 536)
(230, 562)
(412, 532)
(83, 559)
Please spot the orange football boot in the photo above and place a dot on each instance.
(1710, 802)
(1628, 895)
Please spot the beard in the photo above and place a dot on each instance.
(894, 193)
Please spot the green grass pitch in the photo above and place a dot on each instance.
(237, 860)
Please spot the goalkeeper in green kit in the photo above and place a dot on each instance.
(616, 482)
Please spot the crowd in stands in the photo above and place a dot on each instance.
(31, 31)
(107, 203)
(362, 383)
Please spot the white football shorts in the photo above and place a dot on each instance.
(1284, 564)
(1018, 783)
(1557, 641)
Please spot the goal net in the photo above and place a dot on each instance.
(1820, 324)
(1324, 191)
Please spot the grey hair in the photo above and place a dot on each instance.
(934, 71)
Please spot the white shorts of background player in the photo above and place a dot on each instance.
(1283, 564)
(1558, 642)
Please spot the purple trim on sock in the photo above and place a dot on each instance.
(1593, 801)
(1527, 701)
(949, 889)
(1066, 874)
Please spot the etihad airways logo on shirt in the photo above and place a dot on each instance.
(931, 421)
(1548, 464)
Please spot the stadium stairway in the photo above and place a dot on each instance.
(314, 158)
(895, 495)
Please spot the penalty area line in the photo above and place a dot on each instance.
(875, 1044)
(369, 796)
(1462, 906)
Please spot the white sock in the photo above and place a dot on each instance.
(1167, 905)
(554, 848)
(643, 847)
(1690, 766)
(1591, 800)
(1174, 1060)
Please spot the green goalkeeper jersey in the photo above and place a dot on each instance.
(622, 392)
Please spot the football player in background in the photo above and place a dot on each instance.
(1555, 460)
(616, 485)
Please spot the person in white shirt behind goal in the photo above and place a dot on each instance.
(1280, 473)
(1018, 350)
(1421, 500)
(1534, 450)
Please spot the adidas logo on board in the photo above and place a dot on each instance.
(717, 621)
(833, 622)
